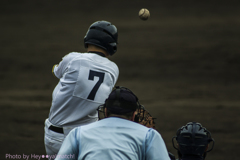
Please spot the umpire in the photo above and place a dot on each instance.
(117, 136)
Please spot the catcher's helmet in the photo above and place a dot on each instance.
(193, 139)
(102, 34)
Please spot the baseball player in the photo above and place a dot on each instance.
(85, 81)
(116, 137)
(192, 142)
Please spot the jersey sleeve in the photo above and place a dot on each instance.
(117, 74)
(155, 146)
(59, 69)
(69, 149)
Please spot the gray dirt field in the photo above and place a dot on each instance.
(183, 64)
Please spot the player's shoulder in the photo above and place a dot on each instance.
(144, 128)
(130, 124)
(147, 130)
(71, 54)
(113, 66)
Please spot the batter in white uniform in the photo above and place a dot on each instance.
(85, 81)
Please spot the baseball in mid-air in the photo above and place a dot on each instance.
(144, 14)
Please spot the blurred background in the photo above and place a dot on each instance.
(183, 64)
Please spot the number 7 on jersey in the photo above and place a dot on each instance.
(91, 76)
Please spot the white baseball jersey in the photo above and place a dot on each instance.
(86, 80)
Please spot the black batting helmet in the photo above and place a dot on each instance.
(193, 139)
(102, 34)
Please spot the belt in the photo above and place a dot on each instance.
(56, 129)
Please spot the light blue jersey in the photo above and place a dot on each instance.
(113, 139)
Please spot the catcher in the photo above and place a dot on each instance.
(116, 135)
(193, 142)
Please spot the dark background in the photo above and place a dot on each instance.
(183, 64)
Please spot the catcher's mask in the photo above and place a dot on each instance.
(121, 101)
(193, 139)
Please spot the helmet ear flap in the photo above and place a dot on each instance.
(112, 48)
